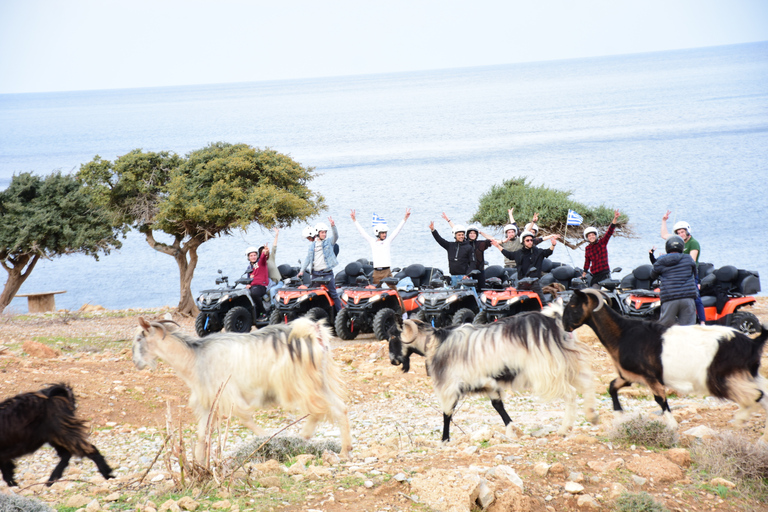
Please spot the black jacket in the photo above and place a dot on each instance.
(678, 276)
(525, 259)
(460, 255)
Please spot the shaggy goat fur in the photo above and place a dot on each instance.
(714, 360)
(287, 365)
(29, 420)
(529, 351)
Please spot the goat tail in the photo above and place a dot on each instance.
(557, 366)
(315, 384)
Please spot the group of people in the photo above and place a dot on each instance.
(677, 270)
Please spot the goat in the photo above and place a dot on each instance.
(29, 420)
(715, 360)
(289, 365)
(524, 351)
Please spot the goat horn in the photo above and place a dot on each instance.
(162, 327)
(598, 296)
(410, 329)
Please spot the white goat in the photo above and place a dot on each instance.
(288, 365)
(529, 351)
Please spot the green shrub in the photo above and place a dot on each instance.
(735, 458)
(284, 448)
(638, 502)
(15, 503)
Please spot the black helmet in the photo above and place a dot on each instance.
(675, 244)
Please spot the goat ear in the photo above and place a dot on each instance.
(144, 324)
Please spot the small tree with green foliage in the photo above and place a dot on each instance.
(551, 205)
(207, 193)
(44, 217)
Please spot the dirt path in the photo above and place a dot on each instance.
(394, 418)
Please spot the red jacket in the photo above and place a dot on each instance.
(596, 254)
(260, 272)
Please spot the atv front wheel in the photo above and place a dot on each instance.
(344, 325)
(206, 323)
(463, 316)
(746, 323)
(385, 323)
(237, 319)
(480, 319)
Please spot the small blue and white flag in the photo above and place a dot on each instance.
(574, 219)
(378, 221)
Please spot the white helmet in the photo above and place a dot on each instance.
(380, 228)
(459, 228)
(309, 232)
(589, 230)
(532, 227)
(682, 225)
(510, 226)
(321, 226)
(251, 249)
(525, 234)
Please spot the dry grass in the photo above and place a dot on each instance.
(737, 459)
(644, 431)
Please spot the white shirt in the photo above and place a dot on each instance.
(380, 248)
(319, 261)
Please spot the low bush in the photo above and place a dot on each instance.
(645, 431)
(638, 502)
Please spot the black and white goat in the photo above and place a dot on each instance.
(713, 360)
(529, 351)
(29, 420)
(288, 365)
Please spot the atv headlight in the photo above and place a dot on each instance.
(628, 301)
(422, 300)
(483, 299)
(201, 298)
(452, 298)
(304, 297)
(224, 298)
(345, 297)
(374, 298)
(655, 304)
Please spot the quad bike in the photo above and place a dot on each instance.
(501, 298)
(371, 308)
(305, 296)
(443, 305)
(229, 307)
(634, 296)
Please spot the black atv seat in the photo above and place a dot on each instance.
(564, 274)
(705, 269)
(409, 295)
(354, 269)
(642, 275)
(287, 271)
(494, 271)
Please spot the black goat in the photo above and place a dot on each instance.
(29, 420)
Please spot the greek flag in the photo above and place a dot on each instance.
(574, 219)
(377, 220)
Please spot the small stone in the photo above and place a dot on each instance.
(158, 478)
(297, 469)
(371, 460)
(77, 501)
(503, 471)
(541, 469)
(679, 456)
(469, 450)
(723, 482)
(557, 469)
(576, 476)
(330, 458)
(112, 497)
(187, 503)
(222, 505)
(93, 506)
(270, 481)
(485, 495)
(616, 490)
(701, 432)
(368, 484)
(639, 480)
(37, 349)
(573, 488)
(400, 477)
(587, 501)
(169, 506)
(304, 459)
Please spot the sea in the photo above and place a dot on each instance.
(684, 130)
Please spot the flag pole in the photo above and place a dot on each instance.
(565, 232)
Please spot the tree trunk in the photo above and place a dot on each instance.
(17, 274)
(179, 252)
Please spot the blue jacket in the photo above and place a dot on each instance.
(678, 276)
(330, 256)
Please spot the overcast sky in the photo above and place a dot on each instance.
(57, 45)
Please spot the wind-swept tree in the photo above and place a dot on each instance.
(207, 193)
(551, 205)
(44, 217)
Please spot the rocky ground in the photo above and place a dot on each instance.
(398, 462)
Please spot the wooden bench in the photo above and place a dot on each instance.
(40, 302)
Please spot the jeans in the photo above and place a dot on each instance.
(331, 287)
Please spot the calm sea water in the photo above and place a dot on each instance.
(681, 130)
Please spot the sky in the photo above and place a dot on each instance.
(58, 45)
